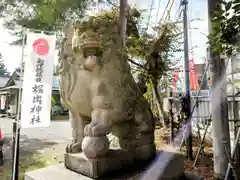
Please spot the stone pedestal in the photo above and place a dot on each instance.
(174, 169)
(116, 160)
(95, 168)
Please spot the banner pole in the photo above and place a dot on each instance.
(16, 125)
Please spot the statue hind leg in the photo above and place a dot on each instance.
(140, 139)
(145, 148)
(78, 123)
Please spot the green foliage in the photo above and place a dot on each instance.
(226, 27)
(47, 15)
(162, 86)
(157, 52)
(3, 69)
(28, 162)
(148, 94)
(53, 102)
(21, 68)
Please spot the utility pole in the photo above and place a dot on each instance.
(187, 84)
(16, 123)
(123, 20)
(219, 105)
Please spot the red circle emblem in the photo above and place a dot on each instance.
(41, 47)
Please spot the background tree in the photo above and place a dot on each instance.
(225, 36)
(3, 69)
(41, 15)
(21, 68)
(157, 53)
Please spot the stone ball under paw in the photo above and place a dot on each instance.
(95, 146)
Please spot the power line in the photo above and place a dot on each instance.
(189, 23)
(159, 3)
(164, 11)
(178, 12)
(149, 15)
(168, 14)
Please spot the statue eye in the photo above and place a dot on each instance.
(85, 54)
(98, 53)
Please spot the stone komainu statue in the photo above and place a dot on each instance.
(102, 97)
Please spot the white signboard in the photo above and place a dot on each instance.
(204, 93)
(3, 102)
(37, 81)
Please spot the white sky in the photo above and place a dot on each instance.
(198, 9)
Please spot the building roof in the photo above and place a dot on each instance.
(20, 75)
(14, 82)
(3, 80)
(55, 85)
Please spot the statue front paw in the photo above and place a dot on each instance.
(74, 147)
(96, 130)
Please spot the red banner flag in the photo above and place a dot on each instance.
(175, 78)
(193, 77)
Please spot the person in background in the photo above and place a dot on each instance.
(8, 110)
(209, 83)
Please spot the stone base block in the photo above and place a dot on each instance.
(171, 164)
(116, 160)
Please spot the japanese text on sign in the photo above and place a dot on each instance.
(37, 90)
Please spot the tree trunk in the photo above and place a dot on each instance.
(219, 105)
(159, 103)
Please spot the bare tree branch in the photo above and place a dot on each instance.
(111, 3)
(137, 64)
